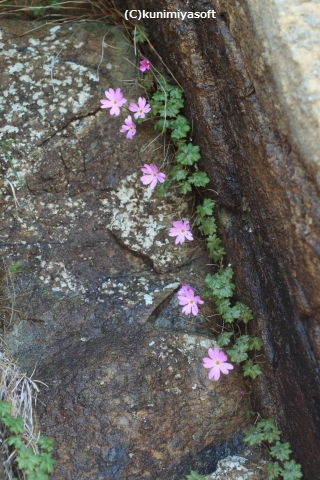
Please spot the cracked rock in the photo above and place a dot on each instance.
(96, 307)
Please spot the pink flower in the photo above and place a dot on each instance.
(190, 301)
(153, 175)
(141, 109)
(181, 231)
(115, 101)
(130, 126)
(241, 393)
(145, 65)
(217, 363)
(183, 290)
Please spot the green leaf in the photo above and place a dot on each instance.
(176, 92)
(245, 314)
(270, 430)
(162, 188)
(26, 458)
(224, 338)
(46, 463)
(291, 471)
(162, 124)
(220, 283)
(273, 470)
(251, 370)
(7, 154)
(281, 451)
(253, 436)
(180, 127)
(139, 34)
(233, 313)
(185, 188)
(199, 179)
(55, 4)
(206, 208)
(45, 443)
(148, 82)
(208, 225)
(159, 96)
(14, 424)
(15, 267)
(171, 108)
(215, 251)
(155, 107)
(194, 475)
(38, 10)
(243, 343)
(5, 408)
(178, 173)
(237, 355)
(37, 475)
(255, 343)
(16, 441)
(188, 154)
(223, 304)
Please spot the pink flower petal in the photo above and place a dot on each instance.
(177, 224)
(146, 179)
(225, 367)
(154, 168)
(189, 236)
(187, 309)
(183, 301)
(194, 309)
(153, 184)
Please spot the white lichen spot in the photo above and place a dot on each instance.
(34, 41)
(18, 67)
(148, 299)
(172, 286)
(25, 78)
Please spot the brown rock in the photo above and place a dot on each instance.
(126, 398)
(135, 404)
(250, 80)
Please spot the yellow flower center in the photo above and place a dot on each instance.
(154, 174)
(191, 301)
(131, 127)
(115, 102)
(217, 362)
(141, 111)
(183, 230)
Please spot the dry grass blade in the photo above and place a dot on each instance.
(20, 391)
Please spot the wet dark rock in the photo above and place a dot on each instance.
(126, 398)
(250, 77)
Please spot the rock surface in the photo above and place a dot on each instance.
(126, 398)
(236, 467)
(251, 80)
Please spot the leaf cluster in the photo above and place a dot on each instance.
(220, 289)
(166, 104)
(194, 475)
(34, 467)
(267, 431)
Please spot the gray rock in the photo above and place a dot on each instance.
(125, 398)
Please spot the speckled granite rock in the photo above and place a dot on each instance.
(251, 77)
(126, 399)
(239, 468)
